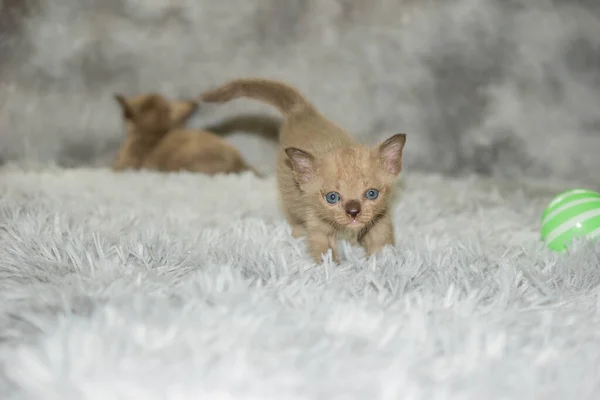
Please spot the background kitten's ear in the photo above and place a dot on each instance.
(125, 107)
(303, 163)
(181, 111)
(390, 153)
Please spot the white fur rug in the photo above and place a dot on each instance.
(148, 286)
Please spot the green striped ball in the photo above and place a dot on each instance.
(572, 214)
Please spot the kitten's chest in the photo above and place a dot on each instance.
(350, 236)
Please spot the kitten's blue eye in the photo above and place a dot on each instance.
(372, 194)
(332, 197)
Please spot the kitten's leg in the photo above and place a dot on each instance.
(333, 246)
(122, 161)
(119, 165)
(150, 164)
(297, 225)
(298, 231)
(321, 239)
(379, 235)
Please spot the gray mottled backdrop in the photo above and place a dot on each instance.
(496, 87)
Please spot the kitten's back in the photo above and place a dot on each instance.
(314, 133)
(196, 151)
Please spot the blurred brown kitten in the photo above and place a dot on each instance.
(327, 181)
(157, 139)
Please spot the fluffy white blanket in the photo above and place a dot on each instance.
(180, 286)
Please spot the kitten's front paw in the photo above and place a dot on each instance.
(374, 248)
(379, 236)
(318, 256)
(319, 243)
(335, 255)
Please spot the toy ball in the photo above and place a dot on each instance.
(571, 214)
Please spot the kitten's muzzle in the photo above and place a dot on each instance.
(352, 208)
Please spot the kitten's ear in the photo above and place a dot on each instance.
(303, 163)
(182, 110)
(125, 106)
(390, 153)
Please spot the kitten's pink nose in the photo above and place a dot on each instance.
(352, 208)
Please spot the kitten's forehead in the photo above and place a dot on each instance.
(350, 169)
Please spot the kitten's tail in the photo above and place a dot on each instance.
(282, 96)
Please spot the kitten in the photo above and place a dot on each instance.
(147, 119)
(157, 139)
(328, 183)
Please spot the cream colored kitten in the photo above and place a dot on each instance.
(327, 181)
